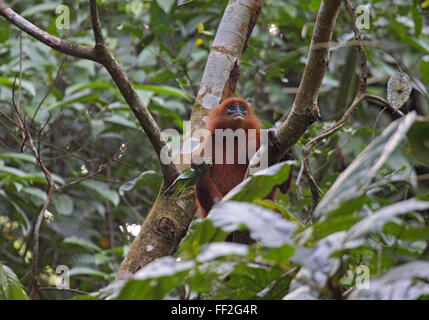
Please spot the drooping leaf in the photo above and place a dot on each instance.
(103, 190)
(163, 89)
(264, 225)
(63, 203)
(408, 281)
(166, 5)
(376, 221)
(261, 183)
(82, 243)
(10, 287)
(352, 181)
(418, 139)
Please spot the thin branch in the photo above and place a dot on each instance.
(96, 25)
(51, 86)
(147, 122)
(397, 113)
(100, 53)
(63, 289)
(305, 110)
(360, 95)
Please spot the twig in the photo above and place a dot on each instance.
(36, 230)
(360, 95)
(100, 168)
(185, 3)
(101, 54)
(147, 122)
(51, 86)
(397, 113)
(63, 289)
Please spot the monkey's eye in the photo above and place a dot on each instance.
(231, 107)
(242, 108)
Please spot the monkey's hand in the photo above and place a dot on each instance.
(273, 142)
(275, 149)
(201, 165)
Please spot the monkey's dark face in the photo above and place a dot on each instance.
(236, 111)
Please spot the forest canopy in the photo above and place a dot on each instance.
(92, 92)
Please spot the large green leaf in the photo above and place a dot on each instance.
(418, 139)
(376, 221)
(103, 190)
(82, 243)
(166, 5)
(264, 225)
(261, 183)
(162, 89)
(39, 8)
(352, 182)
(405, 282)
(10, 287)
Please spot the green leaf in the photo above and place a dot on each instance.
(264, 225)
(10, 287)
(201, 232)
(248, 281)
(418, 21)
(160, 89)
(405, 282)
(279, 255)
(352, 182)
(18, 156)
(187, 179)
(63, 203)
(120, 120)
(153, 282)
(376, 221)
(81, 96)
(82, 243)
(418, 140)
(148, 178)
(342, 218)
(314, 5)
(261, 183)
(103, 190)
(405, 231)
(4, 32)
(88, 272)
(27, 85)
(46, 6)
(90, 85)
(35, 192)
(424, 70)
(166, 5)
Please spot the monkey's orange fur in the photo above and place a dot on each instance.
(221, 178)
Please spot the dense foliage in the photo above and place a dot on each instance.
(371, 223)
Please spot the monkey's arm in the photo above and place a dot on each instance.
(206, 191)
(207, 194)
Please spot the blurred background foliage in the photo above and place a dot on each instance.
(85, 125)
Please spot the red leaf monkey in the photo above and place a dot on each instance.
(222, 176)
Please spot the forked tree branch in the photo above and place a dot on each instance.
(101, 54)
(359, 97)
(305, 110)
(166, 224)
